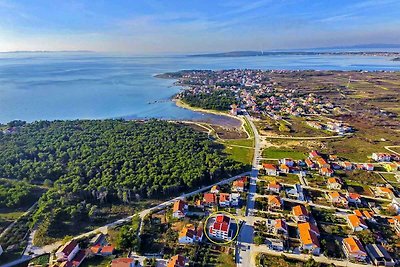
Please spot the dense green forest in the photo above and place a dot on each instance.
(14, 194)
(95, 163)
(217, 100)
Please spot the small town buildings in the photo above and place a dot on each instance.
(338, 199)
(396, 224)
(309, 235)
(384, 192)
(189, 235)
(224, 200)
(391, 167)
(288, 162)
(215, 189)
(68, 251)
(354, 198)
(379, 255)
(381, 157)
(326, 171)
(296, 192)
(346, 165)
(274, 202)
(270, 169)
(177, 261)
(284, 168)
(107, 250)
(220, 229)
(314, 154)
(334, 183)
(274, 187)
(356, 223)
(396, 204)
(123, 262)
(300, 213)
(179, 209)
(322, 163)
(280, 227)
(310, 164)
(235, 199)
(353, 249)
(209, 199)
(368, 166)
(239, 185)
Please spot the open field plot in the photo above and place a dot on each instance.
(266, 260)
(240, 154)
(299, 127)
(283, 152)
(289, 179)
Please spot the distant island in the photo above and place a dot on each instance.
(396, 59)
(301, 53)
(47, 51)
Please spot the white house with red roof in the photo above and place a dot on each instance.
(220, 229)
(274, 186)
(381, 157)
(270, 169)
(309, 237)
(369, 166)
(300, 213)
(123, 262)
(356, 223)
(224, 200)
(209, 199)
(179, 209)
(314, 154)
(68, 251)
(189, 234)
(354, 198)
(334, 183)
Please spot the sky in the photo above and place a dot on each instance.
(190, 26)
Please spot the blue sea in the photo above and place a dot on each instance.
(50, 86)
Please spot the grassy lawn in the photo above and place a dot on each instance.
(248, 128)
(390, 177)
(289, 179)
(240, 154)
(279, 153)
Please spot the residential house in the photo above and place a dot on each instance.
(209, 199)
(189, 235)
(270, 169)
(274, 186)
(215, 189)
(68, 251)
(326, 172)
(381, 157)
(309, 235)
(107, 250)
(179, 209)
(322, 163)
(300, 213)
(310, 164)
(369, 166)
(224, 200)
(314, 154)
(220, 229)
(356, 223)
(239, 185)
(95, 250)
(78, 259)
(384, 192)
(123, 262)
(396, 204)
(288, 162)
(177, 261)
(338, 199)
(354, 198)
(280, 227)
(346, 165)
(274, 202)
(334, 183)
(379, 255)
(391, 167)
(353, 249)
(296, 192)
(368, 216)
(235, 198)
(284, 168)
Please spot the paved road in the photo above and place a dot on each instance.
(245, 238)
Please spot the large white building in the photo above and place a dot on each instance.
(220, 229)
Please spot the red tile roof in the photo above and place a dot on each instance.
(209, 198)
(179, 205)
(121, 262)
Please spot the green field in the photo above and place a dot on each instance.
(279, 153)
(240, 154)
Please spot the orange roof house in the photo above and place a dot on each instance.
(209, 199)
(274, 202)
(356, 223)
(274, 186)
(353, 249)
(309, 234)
(176, 261)
(300, 213)
(334, 183)
(179, 209)
(122, 262)
(338, 198)
(384, 192)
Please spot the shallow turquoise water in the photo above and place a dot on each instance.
(35, 86)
